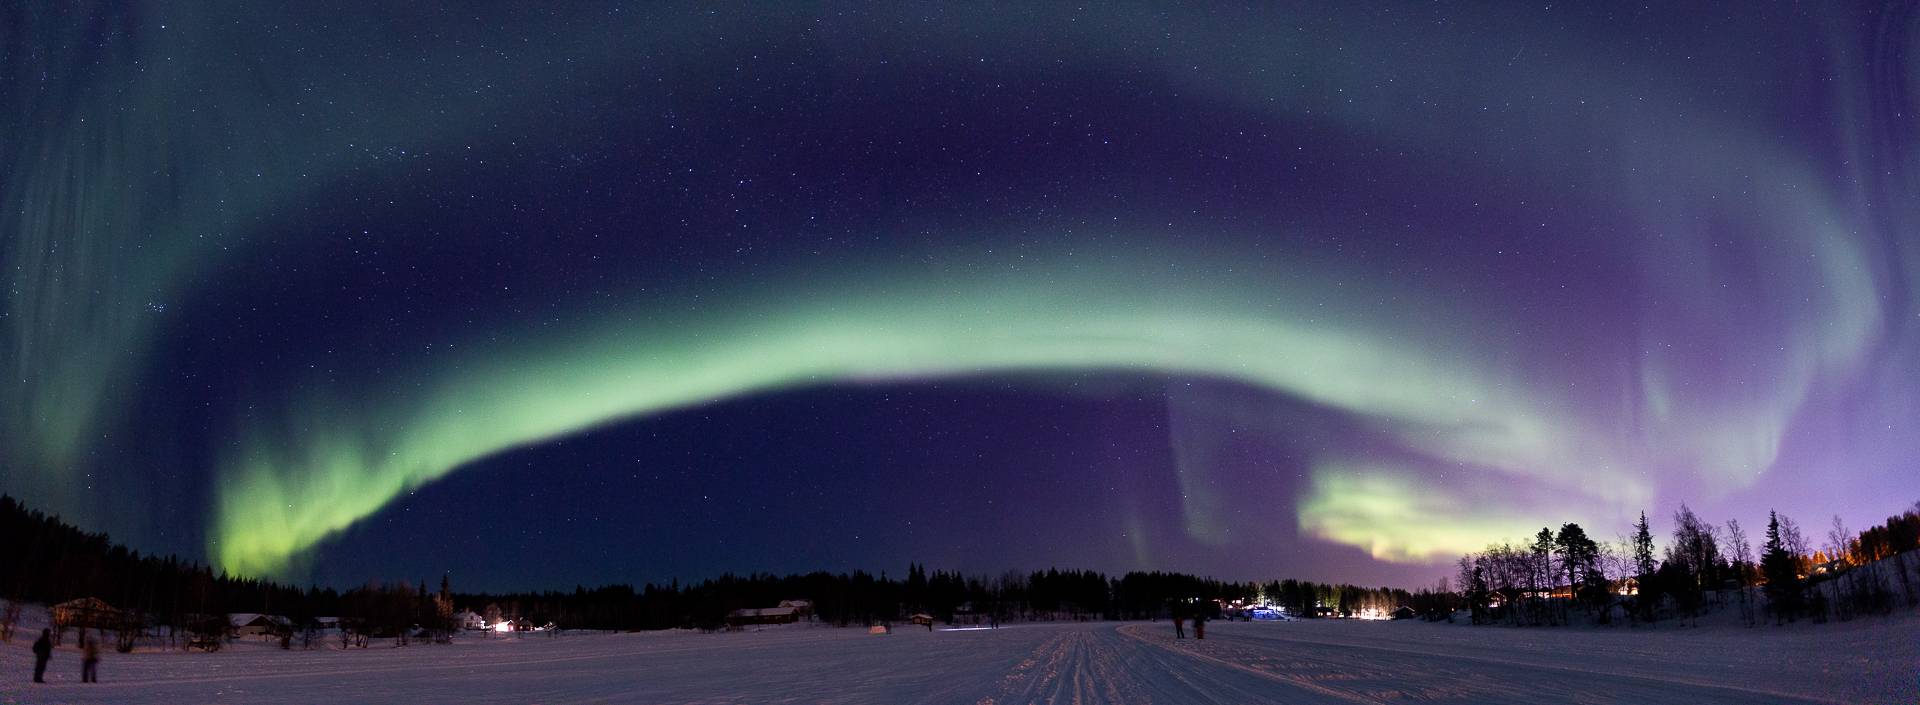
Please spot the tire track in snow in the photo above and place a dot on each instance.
(1138, 632)
(1069, 668)
(1097, 664)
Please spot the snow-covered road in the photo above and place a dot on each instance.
(1871, 661)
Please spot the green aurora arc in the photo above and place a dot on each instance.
(346, 458)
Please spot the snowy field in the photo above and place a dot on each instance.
(1866, 661)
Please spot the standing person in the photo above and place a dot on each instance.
(42, 651)
(1200, 623)
(1179, 622)
(90, 662)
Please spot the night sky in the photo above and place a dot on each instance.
(609, 292)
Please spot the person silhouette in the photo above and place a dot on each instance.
(42, 652)
(90, 661)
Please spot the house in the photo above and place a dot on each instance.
(1403, 612)
(87, 613)
(921, 619)
(762, 615)
(802, 609)
(241, 624)
(469, 619)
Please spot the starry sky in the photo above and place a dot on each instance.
(606, 291)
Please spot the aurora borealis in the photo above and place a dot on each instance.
(630, 292)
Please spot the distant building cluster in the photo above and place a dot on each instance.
(787, 612)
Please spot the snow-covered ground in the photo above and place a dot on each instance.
(1866, 661)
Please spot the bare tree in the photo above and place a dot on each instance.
(1616, 559)
(1505, 569)
(1742, 552)
(1468, 576)
(1795, 543)
(1839, 541)
(128, 629)
(1695, 547)
(1742, 566)
(491, 614)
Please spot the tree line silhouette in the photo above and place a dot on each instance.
(60, 562)
(1546, 581)
(1705, 566)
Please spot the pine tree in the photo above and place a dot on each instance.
(443, 625)
(1577, 555)
(916, 586)
(1781, 571)
(1643, 549)
(1477, 594)
(1540, 572)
